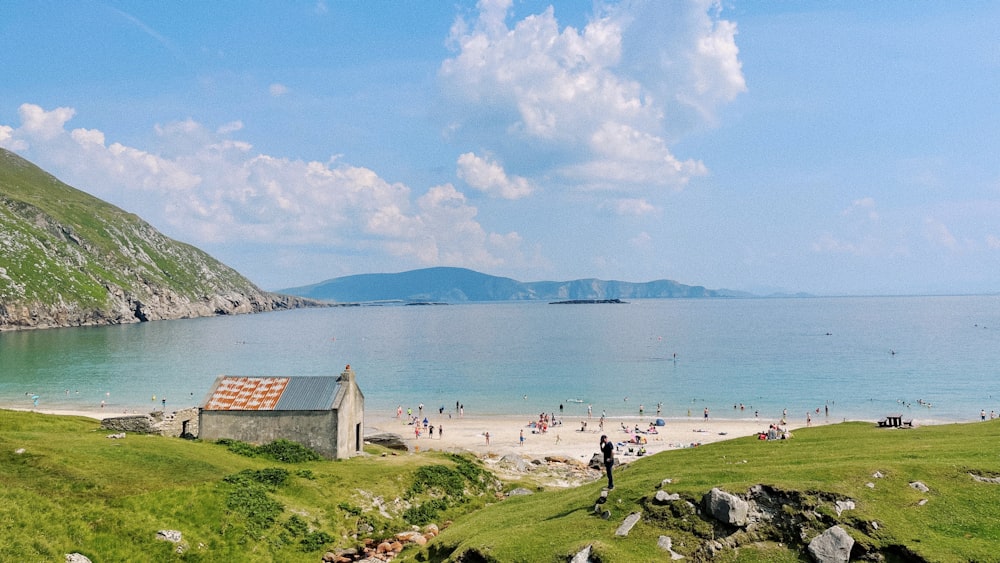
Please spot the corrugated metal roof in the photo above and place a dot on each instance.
(308, 394)
(232, 393)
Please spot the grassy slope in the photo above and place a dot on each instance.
(75, 490)
(60, 244)
(957, 523)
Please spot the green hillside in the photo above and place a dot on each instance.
(65, 487)
(67, 258)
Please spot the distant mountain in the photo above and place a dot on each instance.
(454, 285)
(70, 259)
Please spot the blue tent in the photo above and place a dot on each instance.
(660, 422)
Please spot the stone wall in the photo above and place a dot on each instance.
(173, 424)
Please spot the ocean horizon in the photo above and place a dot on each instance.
(931, 359)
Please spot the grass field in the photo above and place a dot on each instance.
(74, 490)
(958, 521)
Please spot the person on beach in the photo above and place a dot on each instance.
(487, 438)
(522, 437)
(608, 452)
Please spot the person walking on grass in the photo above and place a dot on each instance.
(608, 453)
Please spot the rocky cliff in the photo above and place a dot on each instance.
(69, 259)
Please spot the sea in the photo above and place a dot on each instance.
(933, 359)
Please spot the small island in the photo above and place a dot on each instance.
(586, 301)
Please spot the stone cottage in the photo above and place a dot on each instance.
(324, 413)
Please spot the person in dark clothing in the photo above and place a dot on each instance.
(608, 453)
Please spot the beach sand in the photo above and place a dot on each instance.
(566, 440)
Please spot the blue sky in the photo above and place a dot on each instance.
(823, 147)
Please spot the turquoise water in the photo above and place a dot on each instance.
(517, 358)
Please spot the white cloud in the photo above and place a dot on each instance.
(641, 240)
(213, 189)
(631, 207)
(864, 207)
(231, 127)
(8, 141)
(44, 125)
(938, 234)
(488, 176)
(593, 100)
(277, 90)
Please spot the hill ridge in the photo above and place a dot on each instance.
(452, 284)
(70, 259)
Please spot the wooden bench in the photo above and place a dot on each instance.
(893, 421)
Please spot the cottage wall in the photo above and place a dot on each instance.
(315, 429)
(350, 409)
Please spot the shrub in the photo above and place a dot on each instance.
(285, 451)
(270, 477)
(315, 541)
(250, 501)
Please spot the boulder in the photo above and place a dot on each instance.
(832, 546)
(596, 462)
(388, 440)
(920, 486)
(726, 507)
(520, 492)
(513, 462)
(77, 558)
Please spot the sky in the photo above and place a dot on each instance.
(825, 147)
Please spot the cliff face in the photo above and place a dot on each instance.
(69, 259)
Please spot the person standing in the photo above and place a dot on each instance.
(608, 453)
(522, 437)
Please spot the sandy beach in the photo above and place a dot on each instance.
(568, 439)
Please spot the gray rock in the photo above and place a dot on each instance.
(832, 546)
(630, 521)
(981, 479)
(169, 535)
(666, 544)
(726, 507)
(919, 486)
(77, 558)
(842, 505)
(513, 462)
(596, 462)
(520, 492)
(20, 451)
(582, 556)
(387, 440)
(662, 497)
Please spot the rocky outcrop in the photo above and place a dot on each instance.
(387, 440)
(70, 259)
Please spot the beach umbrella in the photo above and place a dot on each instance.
(34, 399)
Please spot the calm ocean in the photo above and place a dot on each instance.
(860, 357)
